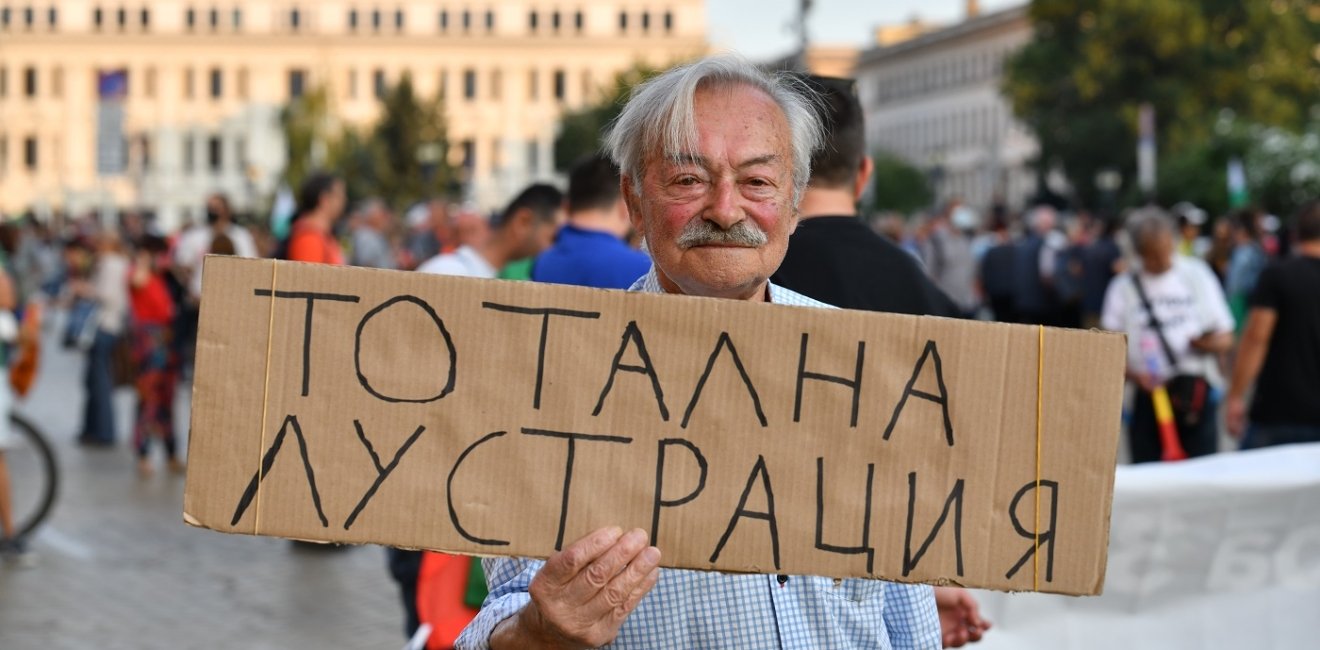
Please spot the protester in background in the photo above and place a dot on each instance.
(311, 235)
(716, 201)
(1171, 307)
(591, 250)
(154, 357)
(833, 257)
(947, 253)
(1034, 299)
(1102, 259)
(1246, 262)
(12, 547)
(1191, 243)
(1221, 248)
(1280, 348)
(526, 228)
(428, 226)
(191, 249)
(371, 236)
(996, 271)
(108, 288)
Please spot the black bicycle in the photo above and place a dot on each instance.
(34, 476)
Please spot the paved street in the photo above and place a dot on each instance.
(116, 567)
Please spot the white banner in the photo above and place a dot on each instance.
(1218, 552)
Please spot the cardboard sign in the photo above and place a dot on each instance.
(504, 418)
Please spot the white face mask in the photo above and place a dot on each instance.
(964, 219)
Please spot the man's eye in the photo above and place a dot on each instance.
(688, 180)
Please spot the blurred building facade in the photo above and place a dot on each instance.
(933, 99)
(196, 88)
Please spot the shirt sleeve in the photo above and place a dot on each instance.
(508, 579)
(1266, 293)
(1113, 314)
(910, 616)
(306, 248)
(1218, 316)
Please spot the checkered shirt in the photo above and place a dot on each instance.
(702, 610)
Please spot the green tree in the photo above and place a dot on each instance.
(898, 186)
(1091, 63)
(309, 132)
(580, 131)
(409, 147)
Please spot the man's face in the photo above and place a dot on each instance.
(1157, 254)
(717, 222)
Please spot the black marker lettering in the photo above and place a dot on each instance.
(855, 383)
(449, 493)
(955, 499)
(942, 399)
(545, 313)
(268, 461)
(439, 324)
(723, 342)
(865, 547)
(742, 511)
(631, 333)
(572, 439)
(311, 297)
(1045, 538)
(660, 501)
(382, 472)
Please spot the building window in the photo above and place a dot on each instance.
(560, 83)
(398, 20)
(444, 21)
(144, 151)
(4, 155)
(145, 19)
(98, 18)
(30, 153)
(295, 19)
(578, 21)
(533, 85)
(669, 21)
(29, 18)
(554, 21)
(4, 81)
(240, 153)
(238, 19)
(215, 154)
(496, 85)
(189, 19)
(4, 17)
(469, 84)
(441, 84)
(57, 82)
(242, 85)
(149, 83)
(623, 21)
(352, 20)
(531, 21)
(213, 19)
(467, 21)
(533, 156)
(375, 20)
(378, 84)
(297, 83)
(352, 84)
(469, 154)
(188, 151)
(29, 82)
(121, 17)
(53, 18)
(646, 21)
(217, 83)
(490, 21)
(189, 83)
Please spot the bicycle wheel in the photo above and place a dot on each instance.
(33, 475)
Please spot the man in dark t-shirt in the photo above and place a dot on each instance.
(1280, 348)
(833, 256)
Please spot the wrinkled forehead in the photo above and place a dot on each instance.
(676, 138)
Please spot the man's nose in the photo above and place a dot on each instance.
(724, 208)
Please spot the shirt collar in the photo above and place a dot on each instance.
(650, 283)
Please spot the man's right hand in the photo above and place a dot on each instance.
(582, 595)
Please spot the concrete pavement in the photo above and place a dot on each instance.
(116, 567)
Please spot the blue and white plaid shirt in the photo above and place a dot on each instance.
(706, 610)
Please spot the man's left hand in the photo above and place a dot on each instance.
(960, 617)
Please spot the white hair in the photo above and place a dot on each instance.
(660, 114)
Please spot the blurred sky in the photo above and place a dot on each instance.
(764, 29)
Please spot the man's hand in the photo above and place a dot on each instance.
(1235, 415)
(960, 617)
(582, 595)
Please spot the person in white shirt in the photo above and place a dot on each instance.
(1193, 319)
(526, 228)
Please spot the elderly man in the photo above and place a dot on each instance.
(714, 157)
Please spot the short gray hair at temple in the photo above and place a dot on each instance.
(660, 114)
(1147, 223)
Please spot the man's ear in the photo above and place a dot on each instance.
(630, 204)
(864, 172)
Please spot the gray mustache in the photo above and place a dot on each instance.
(700, 232)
